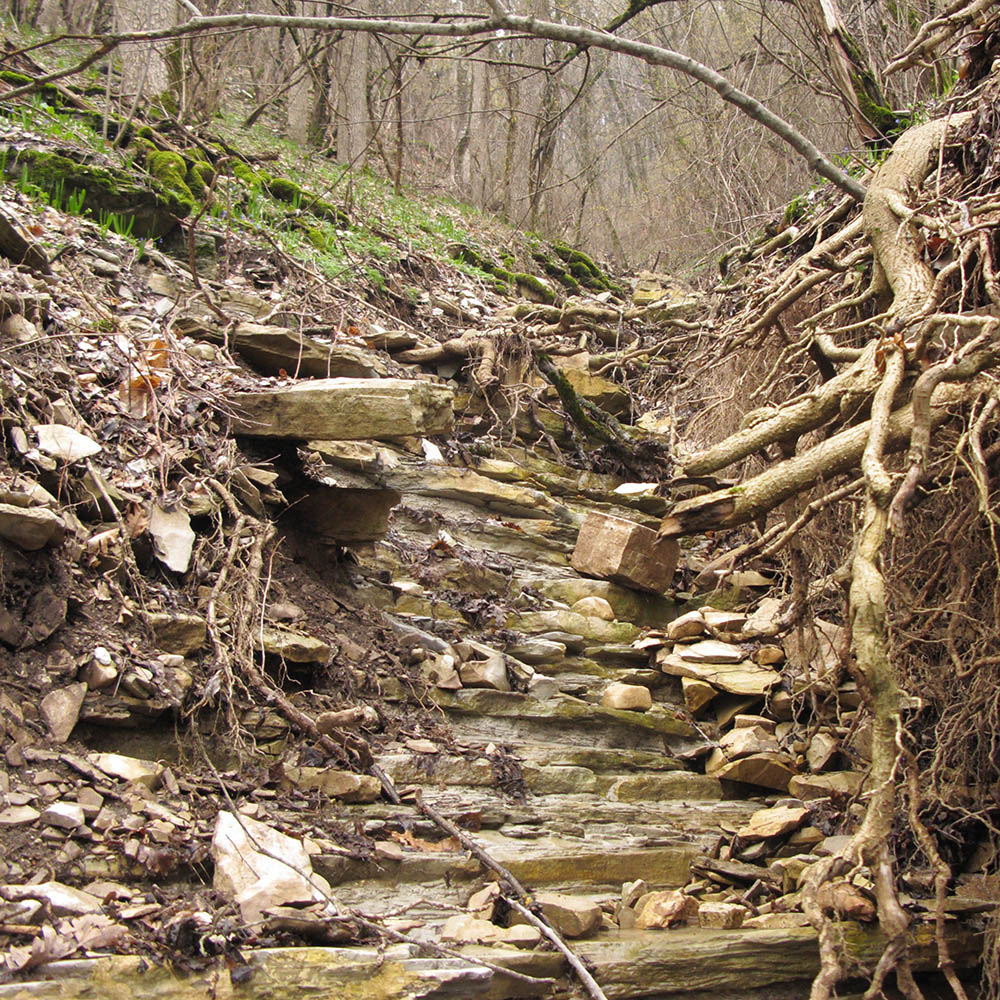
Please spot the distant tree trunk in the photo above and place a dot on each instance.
(145, 69)
(353, 125)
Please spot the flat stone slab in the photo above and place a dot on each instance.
(338, 408)
(745, 678)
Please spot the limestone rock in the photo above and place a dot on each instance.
(261, 867)
(628, 605)
(697, 694)
(723, 621)
(117, 765)
(571, 916)
(351, 408)
(769, 770)
(64, 443)
(439, 669)
(60, 710)
(630, 697)
(659, 910)
(725, 916)
(521, 936)
(764, 618)
(344, 785)
(538, 651)
(743, 678)
(62, 900)
(65, 815)
(817, 786)
(596, 607)
(488, 673)
(601, 391)
(177, 632)
(173, 538)
(625, 552)
(773, 822)
(295, 647)
(821, 749)
(709, 651)
(768, 656)
(30, 528)
(273, 348)
(747, 740)
(664, 786)
(462, 928)
(687, 626)
(570, 623)
(18, 815)
(632, 892)
(776, 921)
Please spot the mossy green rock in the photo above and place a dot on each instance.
(153, 208)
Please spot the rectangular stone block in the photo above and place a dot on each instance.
(620, 550)
(345, 408)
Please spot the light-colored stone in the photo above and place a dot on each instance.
(697, 694)
(177, 631)
(625, 552)
(746, 741)
(64, 443)
(346, 408)
(659, 910)
(295, 647)
(441, 670)
(18, 815)
(816, 786)
(60, 710)
(344, 785)
(571, 916)
(764, 618)
(97, 675)
(632, 892)
(773, 822)
(586, 627)
(31, 528)
(488, 673)
(463, 928)
(723, 621)
(173, 537)
(769, 770)
(538, 651)
(776, 921)
(629, 605)
(116, 765)
(821, 750)
(62, 900)
(744, 678)
(273, 349)
(630, 697)
(596, 607)
(768, 656)
(709, 651)
(481, 903)
(521, 936)
(665, 786)
(261, 868)
(742, 721)
(687, 626)
(724, 916)
(65, 815)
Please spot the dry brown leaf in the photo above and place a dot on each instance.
(407, 839)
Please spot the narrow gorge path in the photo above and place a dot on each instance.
(512, 658)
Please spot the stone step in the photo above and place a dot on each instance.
(683, 964)
(484, 715)
(549, 860)
(551, 779)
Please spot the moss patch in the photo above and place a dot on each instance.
(153, 208)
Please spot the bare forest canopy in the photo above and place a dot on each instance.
(845, 371)
(584, 124)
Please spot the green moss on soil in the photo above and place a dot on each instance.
(244, 173)
(171, 172)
